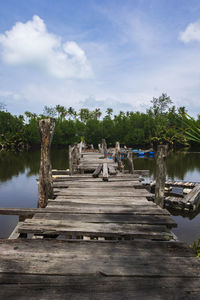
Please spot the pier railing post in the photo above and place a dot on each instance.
(70, 160)
(45, 188)
(130, 161)
(160, 174)
(119, 161)
(104, 147)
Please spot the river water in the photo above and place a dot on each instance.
(18, 186)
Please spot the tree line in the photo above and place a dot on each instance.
(161, 124)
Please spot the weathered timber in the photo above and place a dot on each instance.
(108, 209)
(96, 184)
(105, 172)
(70, 160)
(96, 287)
(110, 192)
(45, 191)
(97, 171)
(160, 174)
(110, 218)
(130, 161)
(144, 231)
(104, 146)
(119, 161)
(111, 170)
(193, 197)
(105, 201)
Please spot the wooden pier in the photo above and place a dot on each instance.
(97, 239)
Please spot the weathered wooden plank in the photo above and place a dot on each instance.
(90, 179)
(96, 184)
(105, 172)
(112, 170)
(96, 287)
(97, 171)
(108, 262)
(104, 193)
(103, 201)
(193, 196)
(137, 210)
(110, 218)
(146, 231)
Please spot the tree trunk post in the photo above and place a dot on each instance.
(160, 174)
(104, 147)
(45, 187)
(130, 161)
(119, 161)
(70, 160)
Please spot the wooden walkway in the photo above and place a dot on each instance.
(98, 240)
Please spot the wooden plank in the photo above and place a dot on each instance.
(105, 172)
(96, 287)
(193, 196)
(90, 179)
(96, 184)
(101, 263)
(97, 171)
(110, 218)
(145, 231)
(103, 193)
(137, 210)
(112, 170)
(103, 201)
(78, 247)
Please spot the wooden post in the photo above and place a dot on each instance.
(130, 161)
(119, 161)
(70, 160)
(160, 174)
(104, 147)
(45, 187)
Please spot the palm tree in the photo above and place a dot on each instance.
(62, 111)
(193, 128)
(97, 113)
(84, 114)
(109, 111)
(71, 112)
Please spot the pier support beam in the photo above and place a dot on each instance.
(104, 145)
(46, 127)
(160, 174)
(119, 161)
(130, 161)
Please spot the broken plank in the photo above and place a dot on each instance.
(105, 172)
(97, 171)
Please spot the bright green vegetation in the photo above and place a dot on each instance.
(196, 247)
(162, 123)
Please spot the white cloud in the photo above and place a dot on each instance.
(30, 44)
(191, 33)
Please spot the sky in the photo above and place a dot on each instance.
(99, 54)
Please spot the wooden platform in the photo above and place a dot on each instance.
(97, 240)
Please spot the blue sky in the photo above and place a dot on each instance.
(99, 54)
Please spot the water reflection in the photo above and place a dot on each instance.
(18, 186)
(180, 165)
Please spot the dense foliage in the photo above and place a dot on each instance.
(162, 123)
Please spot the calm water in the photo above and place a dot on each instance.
(18, 187)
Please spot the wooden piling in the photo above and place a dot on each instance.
(70, 160)
(130, 161)
(104, 147)
(120, 164)
(45, 190)
(160, 174)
